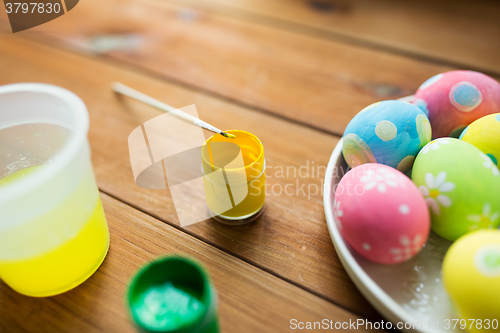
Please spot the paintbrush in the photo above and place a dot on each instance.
(132, 93)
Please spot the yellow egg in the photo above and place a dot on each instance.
(471, 276)
(484, 133)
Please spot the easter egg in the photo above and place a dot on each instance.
(460, 185)
(388, 132)
(471, 276)
(484, 133)
(453, 100)
(381, 213)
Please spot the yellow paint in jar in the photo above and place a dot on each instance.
(60, 248)
(244, 183)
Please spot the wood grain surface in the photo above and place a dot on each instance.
(290, 240)
(461, 32)
(250, 300)
(291, 72)
(313, 81)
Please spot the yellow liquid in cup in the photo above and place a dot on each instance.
(81, 247)
(253, 156)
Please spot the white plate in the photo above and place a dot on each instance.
(410, 292)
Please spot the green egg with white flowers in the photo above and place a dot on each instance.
(461, 186)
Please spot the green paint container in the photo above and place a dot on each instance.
(173, 294)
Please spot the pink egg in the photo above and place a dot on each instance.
(453, 100)
(381, 213)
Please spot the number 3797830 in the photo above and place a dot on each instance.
(471, 324)
(32, 7)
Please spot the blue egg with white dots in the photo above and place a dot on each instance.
(387, 132)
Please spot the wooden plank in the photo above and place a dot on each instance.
(290, 240)
(250, 300)
(310, 80)
(462, 32)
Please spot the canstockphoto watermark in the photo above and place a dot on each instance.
(444, 324)
(168, 152)
(308, 180)
(328, 324)
(292, 180)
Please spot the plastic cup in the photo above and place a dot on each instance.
(53, 232)
(245, 184)
(173, 294)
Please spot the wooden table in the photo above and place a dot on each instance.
(293, 73)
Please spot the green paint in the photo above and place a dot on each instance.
(168, 307)
(173, 294)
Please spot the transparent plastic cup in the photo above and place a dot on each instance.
(53, 232)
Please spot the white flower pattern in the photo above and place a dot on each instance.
(488, 163)
(337, 212)
(379, 179)
(408, 248)
(434, 190)
(433, 145)
(484, 220)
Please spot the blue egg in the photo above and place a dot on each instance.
(388, 132)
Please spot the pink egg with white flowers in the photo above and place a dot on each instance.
(381, 213)
(453, 100)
